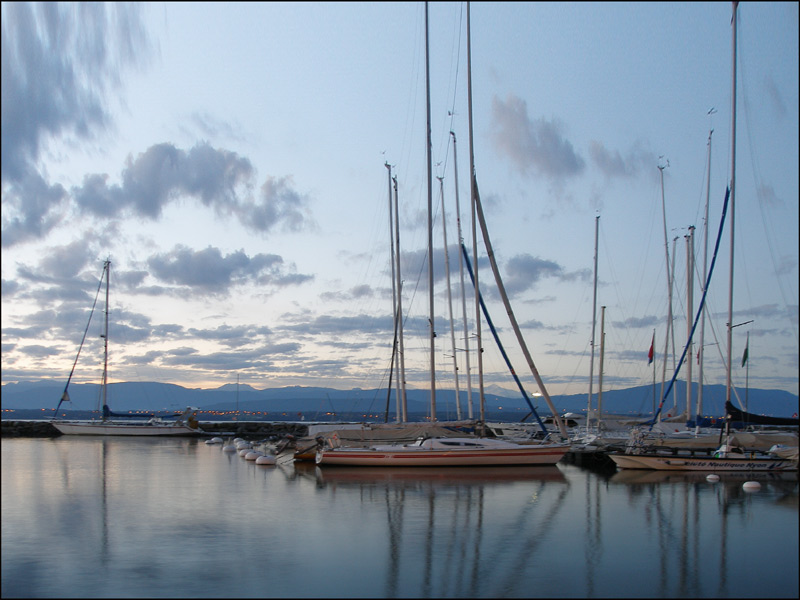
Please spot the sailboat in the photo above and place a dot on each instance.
(119, 424)
(728, 456)
(431, 450)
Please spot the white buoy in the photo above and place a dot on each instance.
(214, 440)
(712, 478)
(229, 448)
(751, 486)
(252, 455)
(266, 459)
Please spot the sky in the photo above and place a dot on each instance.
(230, 160)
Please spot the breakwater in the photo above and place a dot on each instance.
(243, 429)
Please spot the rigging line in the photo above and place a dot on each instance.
(699, 309)
(64, 395)
(451, 113)
(564, 350)
(468, 264)
(769, 236)
(608, 264)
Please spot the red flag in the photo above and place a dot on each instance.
(650, 354)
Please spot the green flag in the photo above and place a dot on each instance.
(744, 356)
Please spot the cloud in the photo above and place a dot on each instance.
(208, 270)
(354, 293)
(639, 322)
(537, 325)
(524, 271)
(328, 324)
(775, 96)
(211, 127)
(278, 203)
(230, 336)
(766, 194)
(533, 144)
(66, 261)
(219, 178)
(612, 164)
(164, 173)
(58, 62)
(9, 287)
(29, 207)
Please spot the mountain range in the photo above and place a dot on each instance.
(311, 401)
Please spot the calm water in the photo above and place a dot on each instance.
(94, 517)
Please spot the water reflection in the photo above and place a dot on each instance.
(97, 517)
(436, 520)
(681, 518)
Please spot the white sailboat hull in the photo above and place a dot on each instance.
(434, 453)
(100, 428)
(666, 462)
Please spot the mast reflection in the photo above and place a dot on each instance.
(436, 519)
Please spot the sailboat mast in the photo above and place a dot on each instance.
(700, 345)
(670, 318)
(105, 339)
(473, 209)
(653, 350)
(594, 324)
(669, 283)
(402, 359)
(733, 212)
(600, 374)
(689, 313)
(450, 299)
(671, 293)
(461, 274)
(514, 325)
(428, 147)
(747, 372)
(395, 315)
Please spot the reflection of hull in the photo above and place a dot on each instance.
(445, 452)
(640, 476)
(445, 475)
(677, 462)
(100, 428)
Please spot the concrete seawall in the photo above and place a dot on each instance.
(243, 429)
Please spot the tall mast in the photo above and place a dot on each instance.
(430, 218)
(671, 292)
(669, 282)
(450, 299)
(653, 349)
(689, 315)
(395, 314)
(401, 376)
(732, 205)
(700, 349)
(105, 338)
(461, 274)
(473, 209)
(594, 323)
(747, 372)
(600, 374)
(514, 325)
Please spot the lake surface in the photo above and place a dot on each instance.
(97, 517)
